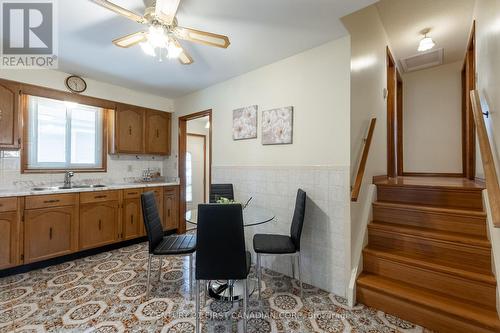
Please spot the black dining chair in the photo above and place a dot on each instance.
(160, 245)
(220, 250)
(266, 244)
(221, 191)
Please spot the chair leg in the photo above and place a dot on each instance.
(292, 261)
(197, 306)
(149, 276)
(300, 278)
(191, 276)
(159, 269)
(205, 292)
(245, 305)
(259, 273)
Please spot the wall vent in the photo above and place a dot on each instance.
(422, 60)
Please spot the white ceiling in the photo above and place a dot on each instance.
(261, 32)
(450, 22)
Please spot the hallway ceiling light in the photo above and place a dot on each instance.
(426, 43)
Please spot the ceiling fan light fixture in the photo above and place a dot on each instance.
(148, 49)
(157, 37)
(426, 44)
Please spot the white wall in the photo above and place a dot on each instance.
(316, 84)
(487, 16)
(368, 79)
(119, 167)
(432, 120)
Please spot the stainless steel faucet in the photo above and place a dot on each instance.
(67, 178)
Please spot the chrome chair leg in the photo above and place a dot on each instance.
(300, 278)
(190, 276)
(245, 304)
(205, 292)
(149, 276)
(259, 272)
(197, 306)
(159, 269)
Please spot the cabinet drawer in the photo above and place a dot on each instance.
(8, 204)
(132, 193)
(98, 196)
(51, 200)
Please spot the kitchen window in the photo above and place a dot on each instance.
(64, 135)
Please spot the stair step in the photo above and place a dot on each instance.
(468, 222)
(425, 307)
(456, 249)
(470, 286)
(431, 192)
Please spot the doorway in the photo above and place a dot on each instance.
(195, 161)
(468, 129)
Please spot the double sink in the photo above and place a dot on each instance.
(57, 188)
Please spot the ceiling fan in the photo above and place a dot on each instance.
(162, 37)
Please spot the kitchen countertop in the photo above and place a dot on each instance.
(14, 192)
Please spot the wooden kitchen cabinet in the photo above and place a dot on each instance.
(99, 216)
(49, 232)
(9, 233)
(171, 210)
(128, 129)
(158, 126)
(10, 101)
(132, 225)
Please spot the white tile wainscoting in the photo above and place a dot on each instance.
(325, 235)
(120, 167)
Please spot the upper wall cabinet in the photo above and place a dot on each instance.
(9, 115)
(158, 132)
(129, 127)
(137, 130)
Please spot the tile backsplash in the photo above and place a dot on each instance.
(121, 168)
(323, 244)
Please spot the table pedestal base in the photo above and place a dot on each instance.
(230, 290)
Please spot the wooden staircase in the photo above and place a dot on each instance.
(428, 259)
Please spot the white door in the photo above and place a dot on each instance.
(195, 171)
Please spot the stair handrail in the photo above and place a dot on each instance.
(356, 188)
(490, 172)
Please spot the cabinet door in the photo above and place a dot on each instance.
(157, 132)
(171, 212)
(9, 240)
(129, 129)
(9, 113)
(99, 224)
(131, 218)
(48, 233)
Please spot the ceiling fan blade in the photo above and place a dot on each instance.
(131, 40)
(120, 10)
(165, 10)
(184, 57)
(202, 37)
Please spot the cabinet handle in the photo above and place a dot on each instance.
(130, 130)
(168, 212)
(157, 133)
(131, 219)
(51, 201)
(100, 224)
(50, 233)
(100, 196)
(132, 193)
(1, 205)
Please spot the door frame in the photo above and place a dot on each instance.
(392, 126)
(468, 127)
(182, 149)
(204, 162)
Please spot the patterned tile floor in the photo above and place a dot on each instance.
(105, 293)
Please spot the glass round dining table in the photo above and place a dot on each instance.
(233, 290)
(252, 215)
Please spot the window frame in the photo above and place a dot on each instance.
(26, 145)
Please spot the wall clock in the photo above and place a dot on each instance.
(76, 84)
